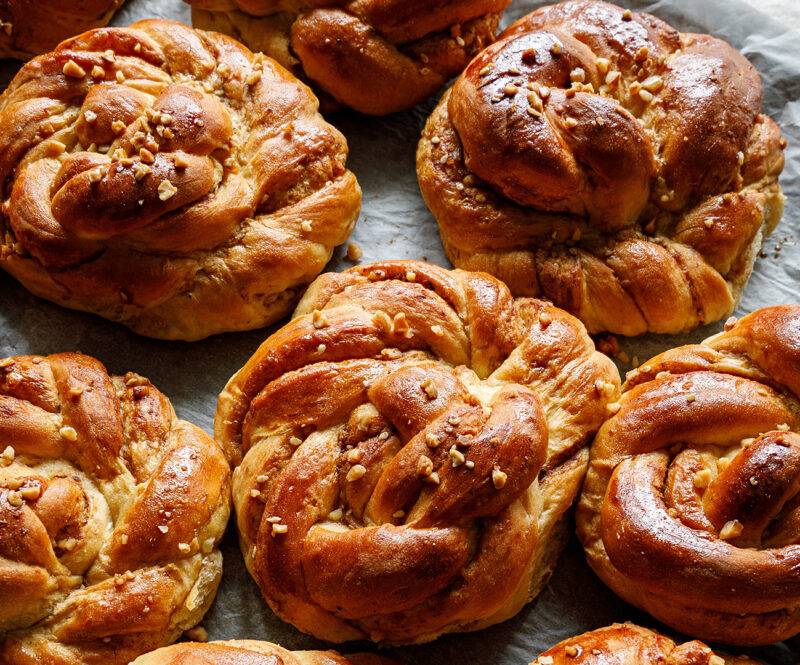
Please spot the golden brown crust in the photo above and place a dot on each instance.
(251, 652)
(30, 28)
(407, 449)
(607, 162)
(690, 509)
(169, 179)
(111, 511)
(375, 56)
(628, 644)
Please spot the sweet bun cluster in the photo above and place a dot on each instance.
(601, 159)
(407, 449)
(374, 56)
(691, 505)
(111, 509)
(169, 179)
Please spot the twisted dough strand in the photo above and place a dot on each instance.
(407, 448)
(690, 508)
(111, 509)
(605, 161)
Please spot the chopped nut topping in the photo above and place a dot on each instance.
(354, 252)
(740, 158)
(185, 548)
(7, 456)
(321, 348)
(274, 519)
(783, 427)
(571, 123)
(486, 70)
(437, 330)
(15, 499)
(253, 77)
(571, 650)
(68, 433)
(577, 75)
(355, 473)
(295, 441)
(306, 226)
(545, 660)
(641, 54)
(255, 493)
(166, 190)
(753, 481)
(612, 78)
(429, 388)
(146, 156)
(120, 76)
(398, 514)
(510, 89)
(123, 538)
(456, 456)
(645, 95)
(198, 634)
(335, 515)
(31, 492)
(469, 464)
(627, 15)
(556, 48)
(73, 69)
(732, 529)
(613, 407)
(603, 65)
(431, 440)
(653, 83)
(319, 320)
(460, 40)
(716, 660)
(279, 528)
(433, 478)
(691, 397)
(702, 478)
(163, 528)
(141, 170)
(424, 466)
(499, 478)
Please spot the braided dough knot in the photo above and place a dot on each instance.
(409, 445)
(181, 153)
(606, 161)
(111, 508)
(691, 507)
(376, 56)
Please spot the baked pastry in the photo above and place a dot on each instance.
(169, 179)
(601, 159)
(690, 508)
(628, 644)
(111, 510)
(251, 652)
(407, 449)
(375, 56)
(30, 28)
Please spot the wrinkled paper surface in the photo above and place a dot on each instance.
(396, 224)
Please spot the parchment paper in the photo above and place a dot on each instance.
(396, 224)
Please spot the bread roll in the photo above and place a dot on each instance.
(601, 159)
(407, 450)
(169, 179)
(111, 509)
(691, 506)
